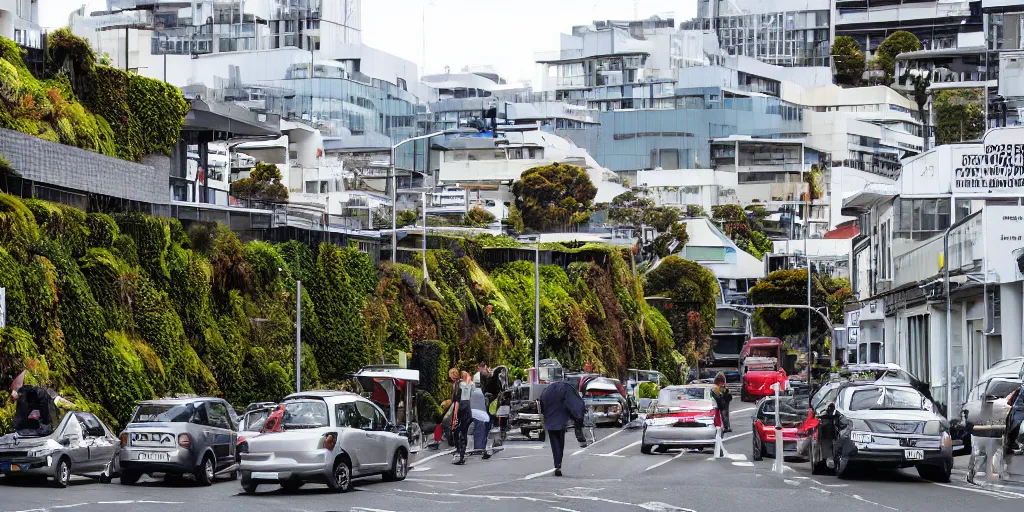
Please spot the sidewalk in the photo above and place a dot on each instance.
(962, 463)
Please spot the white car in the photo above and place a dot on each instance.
(684, 417)
(326, 437)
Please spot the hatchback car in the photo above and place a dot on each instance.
(179, 436)
(881, 425)
(328, 437)
(792, 415)
(685, 417)
(79, 445)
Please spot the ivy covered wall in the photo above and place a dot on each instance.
(112, 309)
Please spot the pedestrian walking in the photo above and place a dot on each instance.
(481, 421)
(722, 397)
(462, 416)
(559, 403)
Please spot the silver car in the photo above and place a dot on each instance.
(80, 445)
(326, 437)
(684, 417)
(179, 436)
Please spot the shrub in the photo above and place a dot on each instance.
(648, 390)
(898, 42)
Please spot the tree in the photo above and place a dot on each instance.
(728, 213)
(478, 216)
(898, 42)
(692, 293)
(790, 287)
(628, 208)
(759, 245)
(849, 61)
(959, 115)
(694, 211)
(263, 184)
(554, 197)
(407, 218)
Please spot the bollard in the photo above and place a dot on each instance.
(779, 466)
(719, 447)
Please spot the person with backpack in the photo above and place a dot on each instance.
(722, 398)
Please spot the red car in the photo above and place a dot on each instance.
(793, 413)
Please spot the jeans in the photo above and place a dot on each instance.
(480, 430)
(557, 440)
(461, 431)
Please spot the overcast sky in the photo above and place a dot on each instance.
(505, 34)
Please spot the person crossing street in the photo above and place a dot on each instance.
(559, 403)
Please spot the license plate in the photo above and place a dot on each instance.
(914, 454)
(154, 456)
(256, 475)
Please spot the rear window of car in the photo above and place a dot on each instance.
(671, 396)
(886, 398)
(1001, 388)
(302, 414)
(791, 412)
(163, 413)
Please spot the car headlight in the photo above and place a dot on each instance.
(860, 437)
(934, 428)
(41, 452)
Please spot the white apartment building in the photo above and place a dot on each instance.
(973, 192)
(19, 21)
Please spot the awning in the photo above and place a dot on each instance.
(862, 200)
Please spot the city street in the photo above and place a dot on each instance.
(609, 475)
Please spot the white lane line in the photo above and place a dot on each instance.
(520, 457)
(609, 436)
(160, 502)
(1002, 495)
(535, 475)
(429, 481)
(748, 409)
(858, 498)
(666, 461)
(434, 456)
(69, 506)
(730, 438)
(564, 509)
(624, 448)
(743, 464)
(121, 502)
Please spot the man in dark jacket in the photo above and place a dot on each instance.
(559, 403)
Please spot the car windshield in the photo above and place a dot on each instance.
(305, 414)
(886, 398)
(163, 413)
(253, 421)
(791, 413)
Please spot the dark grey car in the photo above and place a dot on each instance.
(80, 445)
(179, 436)
(984, 413)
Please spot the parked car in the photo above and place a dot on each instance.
(881, 424)
(326, 437)
(759, 374)
(793, 411)
(79, 444)
(685, 417)
(607, 399)
(179, 436)
(985, 410)
(250, 425)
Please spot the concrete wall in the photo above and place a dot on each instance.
(65, 166)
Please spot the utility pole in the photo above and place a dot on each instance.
(298, 336)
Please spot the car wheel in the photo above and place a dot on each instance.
(756, 453)
(62, 475)
(842, 465)
(525, 432)
(399, 468)
(341, 476)
(205, 474)
(939, 473)
(248, 485)
(818, 466)
(644, 447)
(130, 477)
(541, 435)
(291, 485)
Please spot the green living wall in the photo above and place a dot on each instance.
(112, 309)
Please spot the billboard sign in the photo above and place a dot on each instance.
(998, 169)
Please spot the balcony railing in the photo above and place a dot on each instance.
(922, 262)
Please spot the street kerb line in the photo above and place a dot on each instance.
(609, 436)
(666, 461)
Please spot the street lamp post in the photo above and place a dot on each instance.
(298, 335)
(536, 308)
(394, 191)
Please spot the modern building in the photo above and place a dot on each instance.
(939, 24)
(971, 193)
(19, 22)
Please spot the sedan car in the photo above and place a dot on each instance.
(685, 417)
(607, 399)
(79, 445)
(328, 437)
(880, 425)
(792, 415)
(179, 436)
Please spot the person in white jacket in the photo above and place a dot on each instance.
(481, 420)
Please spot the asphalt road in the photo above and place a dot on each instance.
(610, 475)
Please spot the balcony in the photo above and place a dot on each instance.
(922, 262)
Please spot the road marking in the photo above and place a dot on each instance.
(429, 481)
(535, 475)
(742, 410)
(564, 509)
(616, 452)
(743, 464)
(730, 438)
(69, 506)
(609, 436)
(666, 461)
(520, 457)
(656, 506)
(434, 456)
(858, 498)
(1002, 495)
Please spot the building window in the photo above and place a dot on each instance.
(921, 219)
